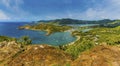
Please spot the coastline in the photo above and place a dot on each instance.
(49, 28)
(77, 38)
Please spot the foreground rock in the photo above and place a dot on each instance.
(8, 49)
(41, 55)
(99, 56)
(11, 54)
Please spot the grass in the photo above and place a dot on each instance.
(5, 38)
(92, 38)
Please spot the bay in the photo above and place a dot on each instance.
(38, 37)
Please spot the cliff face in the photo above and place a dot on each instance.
(99, 56)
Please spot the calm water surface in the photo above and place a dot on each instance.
(38, 37)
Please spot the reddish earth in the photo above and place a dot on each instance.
(43, 55)
(99, 56)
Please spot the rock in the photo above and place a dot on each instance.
(41, 55)
(8, 49)
(99, 56)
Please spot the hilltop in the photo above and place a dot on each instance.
(41, 55)
(102, 55)
(75, 21)
(44, 55)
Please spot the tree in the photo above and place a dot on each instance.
(24, 40)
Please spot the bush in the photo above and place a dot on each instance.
(79, 46)
(5, 38)
(24, 40)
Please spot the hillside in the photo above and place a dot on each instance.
(115, 23)
(8, 49)
(45, 55)
(75, 21)
(12, 54)
(41, 55)
(101, 23)
(103, 55)
(48, 27)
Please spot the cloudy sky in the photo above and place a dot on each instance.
(32, 10)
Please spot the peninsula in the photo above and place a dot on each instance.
(48, 27)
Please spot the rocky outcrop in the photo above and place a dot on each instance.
(8, 49)
(41, 55)
(99, 56)
(11, 54)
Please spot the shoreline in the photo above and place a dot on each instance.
(47, 34)
(77, 38)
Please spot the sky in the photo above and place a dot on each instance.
(33, 10)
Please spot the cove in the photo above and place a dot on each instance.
(38, 37)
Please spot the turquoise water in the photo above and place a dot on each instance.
(38, 37)
(82, 25)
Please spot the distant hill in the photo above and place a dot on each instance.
(114, 23)
(102, 23)
(75, 21)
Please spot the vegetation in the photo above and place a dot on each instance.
(24, 40)
(92, 38)
(102, 55)
(41, 55)
(82, 44)
(108, 35)
(49, 27)
(86, 40)
(115, 23)
(97, 46)
(74, 21)
(5, 38)
(101, 23)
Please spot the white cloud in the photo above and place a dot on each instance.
(51, 17)
(3, 16)
(110, 11)
(12, 3)
(96, 14)
(6, 3)
(91, 13)
(116, 2)
(14, 9)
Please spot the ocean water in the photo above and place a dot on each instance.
(38, 37)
